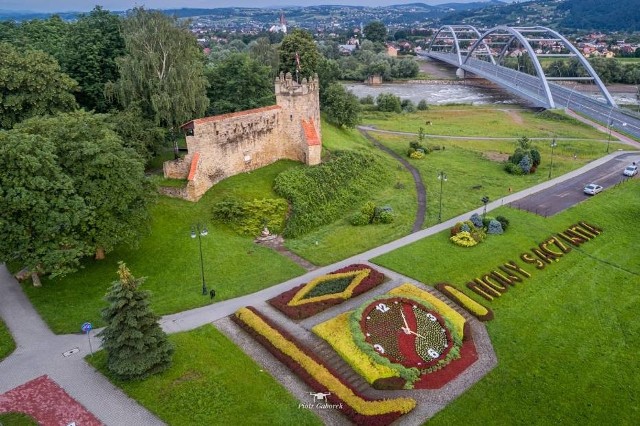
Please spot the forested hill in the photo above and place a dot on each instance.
(605, 15)
(620, 15)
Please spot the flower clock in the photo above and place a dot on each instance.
(408, 332)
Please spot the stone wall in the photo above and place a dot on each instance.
(239, 142)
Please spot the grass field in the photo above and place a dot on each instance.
(17, 419)
(7, 345)
(567, 338)
(212, 382)
(484, 121)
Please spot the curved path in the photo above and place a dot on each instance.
(40, 352)
(421, 192)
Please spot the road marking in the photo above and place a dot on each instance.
(70, 352)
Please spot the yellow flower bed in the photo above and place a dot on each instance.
(358, 277)
(337, 333)
(321, 374)
(464, 239)
(467, 302)
(447, 311)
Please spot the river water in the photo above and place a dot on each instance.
(454, 92)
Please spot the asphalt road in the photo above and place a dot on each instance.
(567, 193)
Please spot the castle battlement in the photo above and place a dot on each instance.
(287, 86)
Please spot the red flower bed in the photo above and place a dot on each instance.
(308, 378)
(281, 302)
(439, 378)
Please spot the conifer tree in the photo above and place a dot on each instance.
(136, 345)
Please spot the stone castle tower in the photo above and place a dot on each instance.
(225, 145)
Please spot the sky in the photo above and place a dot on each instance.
(84, 5)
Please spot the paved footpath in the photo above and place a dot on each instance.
(40, 352)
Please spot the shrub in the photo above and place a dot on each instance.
(503, 221)
(494, 227)
(479, 235)
(476, 219)
(463, 239)
(535, 157)
(369, 210)
(486, 220)
(525, 164)
(464, 228)
(385, 216)
(359, 219)
(417, 154)
(512, 168)
(422, 105)
(367, 100)
(228, 210)
(408, 106)
(388, 102)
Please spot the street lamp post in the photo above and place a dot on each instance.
(553, 145)
(485, 200)
(609, 140)
(442, 177)
(198, 231)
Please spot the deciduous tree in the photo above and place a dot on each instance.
(109, 177)
(341, 106)
(40, 210)
(238, 83)
(375, 31)
(31, 83)
(298, 46)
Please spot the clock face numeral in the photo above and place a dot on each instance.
(378, 348)
(431, 317)
(433, 354)
(382, 307)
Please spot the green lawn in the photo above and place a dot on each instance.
(567, 338)
(7, 345)
(212, 382)
(484, 121)
(233, 264)
(17, 419)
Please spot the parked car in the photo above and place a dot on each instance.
(592, 189)
(630, 170)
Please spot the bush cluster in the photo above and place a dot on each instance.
(249, 217)
(372, 214)
(319, 195)
(525, 159)
(475, 230)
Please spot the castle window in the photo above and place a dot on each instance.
(291, 117)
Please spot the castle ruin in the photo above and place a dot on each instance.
(224, 145)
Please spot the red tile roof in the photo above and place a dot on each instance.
(194, 165)
(220, 117)
(310, 133)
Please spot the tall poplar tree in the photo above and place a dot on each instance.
(136, 345)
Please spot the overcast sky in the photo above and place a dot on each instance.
(83, 5)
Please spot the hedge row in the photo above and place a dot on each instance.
(321, 194)
(320, 377)
(282, 302)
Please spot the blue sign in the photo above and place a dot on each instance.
(86, 327)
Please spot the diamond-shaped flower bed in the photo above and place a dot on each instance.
(327, 290)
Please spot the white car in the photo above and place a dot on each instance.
(630, 171)
(592, 189)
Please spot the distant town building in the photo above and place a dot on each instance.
(281, 27)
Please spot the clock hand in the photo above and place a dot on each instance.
(406, 324)
(419, 335)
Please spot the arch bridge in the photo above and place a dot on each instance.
(513, 58)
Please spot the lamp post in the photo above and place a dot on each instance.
(485, 200)
(199, 232)
(553, 145)
(609, 140)
(442, 177)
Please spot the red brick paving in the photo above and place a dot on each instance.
(45, 401)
